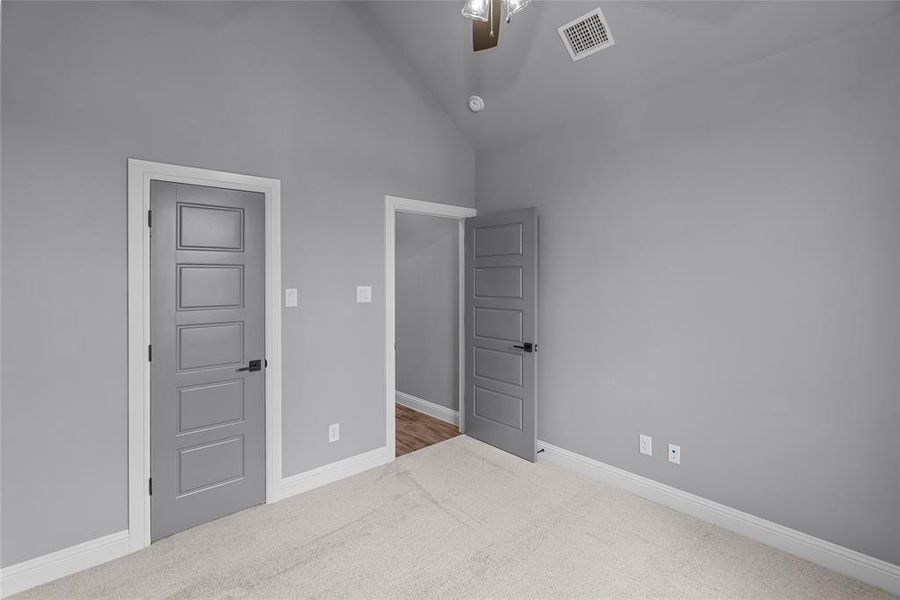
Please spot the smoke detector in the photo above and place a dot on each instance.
(476, 104)
(586, 35)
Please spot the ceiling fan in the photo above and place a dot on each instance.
(486, 17)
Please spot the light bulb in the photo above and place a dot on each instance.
(476, 9)
(514, 6)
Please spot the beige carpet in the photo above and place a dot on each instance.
(458, 520)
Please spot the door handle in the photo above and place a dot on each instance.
(254, 366)
(526, 346)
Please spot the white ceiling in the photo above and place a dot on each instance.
(529, 81)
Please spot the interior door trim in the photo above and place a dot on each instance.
(140, 173)
(394, 205)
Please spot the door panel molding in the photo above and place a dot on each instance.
(501, 366)
(193, 280)
(193, 399)
(140, 174)
(497, 407)
(508, 325)
(394, 205)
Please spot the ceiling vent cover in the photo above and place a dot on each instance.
(586, 35)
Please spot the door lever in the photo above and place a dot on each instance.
(526, 346)
(255, 365)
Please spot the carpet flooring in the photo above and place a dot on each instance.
(459, 519)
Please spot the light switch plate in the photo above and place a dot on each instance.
(290, 297)
(646, 445)
(334, 432)
(364, 293)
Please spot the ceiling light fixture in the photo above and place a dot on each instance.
(479, 10)
(514, 6)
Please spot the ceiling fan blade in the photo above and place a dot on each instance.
(486, 34)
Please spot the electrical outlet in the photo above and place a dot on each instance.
(646, 445)
(334, 432)
(674, 454)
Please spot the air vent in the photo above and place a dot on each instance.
(586, 35)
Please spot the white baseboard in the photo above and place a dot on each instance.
(866, 568)
(309, 480)
(429, 408)
(43, 569)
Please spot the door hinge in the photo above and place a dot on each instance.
(150, 485)
(150, 353)
(149, 218)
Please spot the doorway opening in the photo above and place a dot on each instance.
(425, 327)
(427, 330)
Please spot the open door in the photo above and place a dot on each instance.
(501, 330)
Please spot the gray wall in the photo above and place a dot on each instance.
(720, 269)
(304, 92)
(427, 300)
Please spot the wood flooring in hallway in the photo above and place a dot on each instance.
(417, 430)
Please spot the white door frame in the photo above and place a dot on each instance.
(140, 173)
(394, 205)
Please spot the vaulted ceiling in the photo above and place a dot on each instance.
(529, 81)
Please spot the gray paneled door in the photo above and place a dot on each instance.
(501, 330)
(207, 321)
